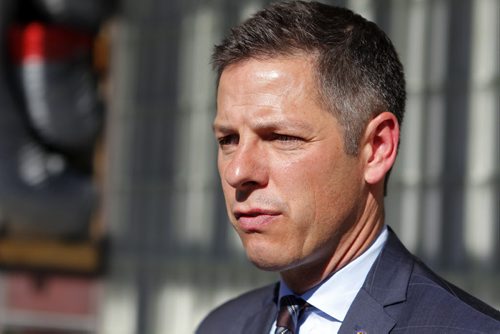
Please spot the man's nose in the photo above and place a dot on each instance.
(247, 168)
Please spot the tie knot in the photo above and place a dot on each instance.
(292, 301)
(290, 310)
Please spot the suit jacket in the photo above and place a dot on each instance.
(399, 295)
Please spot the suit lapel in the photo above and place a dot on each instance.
(385, 285)
(366, 316)
(261, 321)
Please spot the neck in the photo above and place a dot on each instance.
(349, 245)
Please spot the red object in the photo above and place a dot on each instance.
(52, 294)
(37, 41)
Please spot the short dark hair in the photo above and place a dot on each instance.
(358, 70)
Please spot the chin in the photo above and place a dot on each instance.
(269, 267)
(266, 265)
(267, 254)
(269, 260)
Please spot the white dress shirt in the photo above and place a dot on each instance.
(331, 299)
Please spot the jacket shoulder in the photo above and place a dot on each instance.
(233, 314)
(420, 301)
(423, 275)
(432, 297)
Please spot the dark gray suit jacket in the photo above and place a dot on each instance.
(400, 295)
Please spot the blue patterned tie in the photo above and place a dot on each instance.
(291, 308)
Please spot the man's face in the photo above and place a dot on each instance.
(290, 190)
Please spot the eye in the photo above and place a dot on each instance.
(284, 138)
(232, 139)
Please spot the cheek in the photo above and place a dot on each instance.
(221, 166)
(299, 183)
(229, 196)
(338, 198)
(322, 187)
(227, 190)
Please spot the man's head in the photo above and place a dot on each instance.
(307, 134)
(356, 66)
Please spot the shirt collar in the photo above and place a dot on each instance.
(335, 295)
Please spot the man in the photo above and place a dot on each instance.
(309, 107)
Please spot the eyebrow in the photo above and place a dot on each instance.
(266, 124)
(216, 127)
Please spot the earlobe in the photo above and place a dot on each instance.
(380, 146)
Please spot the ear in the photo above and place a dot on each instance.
(379, 146)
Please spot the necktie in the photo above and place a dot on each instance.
(290, 310)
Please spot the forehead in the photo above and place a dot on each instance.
(268, 80)
(267, 67)
(272, 89)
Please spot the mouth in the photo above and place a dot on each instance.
(254, 220)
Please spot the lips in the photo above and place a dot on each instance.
(255, 220)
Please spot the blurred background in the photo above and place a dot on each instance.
(111, 215)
